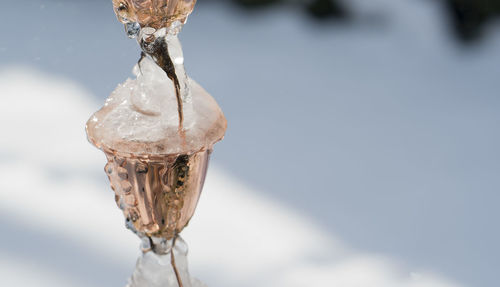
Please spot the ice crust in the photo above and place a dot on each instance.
(141, 118)
(155, 268)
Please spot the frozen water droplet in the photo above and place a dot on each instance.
(133, 29)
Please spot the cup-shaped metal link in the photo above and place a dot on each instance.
(158, 195)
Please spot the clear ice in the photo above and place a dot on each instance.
(155, 269)
(141, 116)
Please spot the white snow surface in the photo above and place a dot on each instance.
(70, 233)
(379, 134)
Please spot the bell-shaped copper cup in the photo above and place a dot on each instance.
(158, 195)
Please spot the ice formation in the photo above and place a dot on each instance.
(140, 117)
(157, 132)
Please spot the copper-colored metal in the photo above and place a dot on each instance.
(174, 266)
(158, 195)
(153, 13)
(158, 50)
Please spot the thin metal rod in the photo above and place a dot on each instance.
(158, 50)
(174, 266)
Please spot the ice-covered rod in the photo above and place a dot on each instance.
(157, 132)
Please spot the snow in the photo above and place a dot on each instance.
(381, 138)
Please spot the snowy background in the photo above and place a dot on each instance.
(361, 153)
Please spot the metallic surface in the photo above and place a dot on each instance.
(158, 195)
(158, 50)
(174, 266)
(153, 13)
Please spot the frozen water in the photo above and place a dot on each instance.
(156, 270)
(141, 117)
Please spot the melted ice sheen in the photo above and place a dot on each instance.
(140, 117)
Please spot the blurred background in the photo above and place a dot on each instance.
(362, 148)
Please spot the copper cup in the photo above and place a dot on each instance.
(158, 195)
